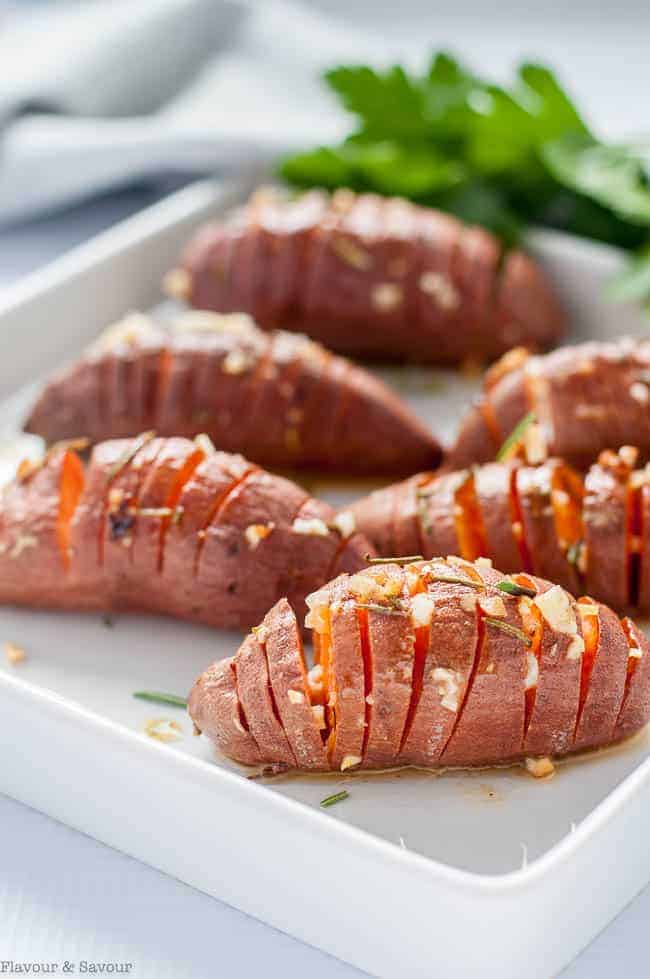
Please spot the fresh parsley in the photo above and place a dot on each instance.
(504, 157)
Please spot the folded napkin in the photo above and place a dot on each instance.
(116, 90)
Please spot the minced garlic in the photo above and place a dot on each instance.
(14, 654)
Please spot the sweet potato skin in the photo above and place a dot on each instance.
(163, 525)
(517, 508)
(278, 398)
(372, 277)
(472, 705)
(587, 398)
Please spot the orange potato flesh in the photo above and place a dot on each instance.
(566, 498)
(72, 481)
(534, 626)
(517, 519)
(216, 508)
(469, 522)
(190, 464)
(591, 635)
(489, 417)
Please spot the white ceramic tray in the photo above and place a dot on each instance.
(489, 873)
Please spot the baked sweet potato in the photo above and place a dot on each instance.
(168, 526)
(585, 398)
(279, 399)
(440, 663)
(590, 532)
(370, 276)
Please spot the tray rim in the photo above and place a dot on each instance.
(18, 304)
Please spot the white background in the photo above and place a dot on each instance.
(63, 896)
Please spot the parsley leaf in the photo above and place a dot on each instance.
(503, 156)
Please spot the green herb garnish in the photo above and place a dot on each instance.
(512, 588)
(515, 437)
(394, 609)
(154, 697)
(394, 560)
(331, 800)
(512, 630)
(128, 455)
(452, 579)
(503, 156)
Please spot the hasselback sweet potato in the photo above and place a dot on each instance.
(168, 526)
(440, 663)
(370, 276)
(585, 398)
(587, 532)
(279, 399)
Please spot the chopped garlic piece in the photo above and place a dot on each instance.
(312, 526)
(493, 605)
(576, 648)
(177, 283)
(350, 761)
(161, 729)
(540, 767)
(448, 687)
(387, 296)
(468, 602)
(345, 523)
(422, 609)
(483, 562)
(370, 699)
(15, 654)
(319, 716)
(257, 532)
(635, 652)
(556, 608)
(440, 289)
(640, 392)
(532, 671)
(350, 253)
(296, 697)
(237, 362)
(22, 543)
(205, 443)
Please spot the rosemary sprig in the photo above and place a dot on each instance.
(128, 455)
(394, 560)
(512, 588)
(394, 609)
(512, 630)
(515, 437)
(331, 800)
(452, 579)
(154, 697)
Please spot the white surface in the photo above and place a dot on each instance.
(477, 819)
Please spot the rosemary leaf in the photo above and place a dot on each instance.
(128, 455)
(154, 697)
(452, 579)
(394, 560)
(512, 630)
(331, 800)
(514, 439)
(512, 588)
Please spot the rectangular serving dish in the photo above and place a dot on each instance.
(488, 872)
